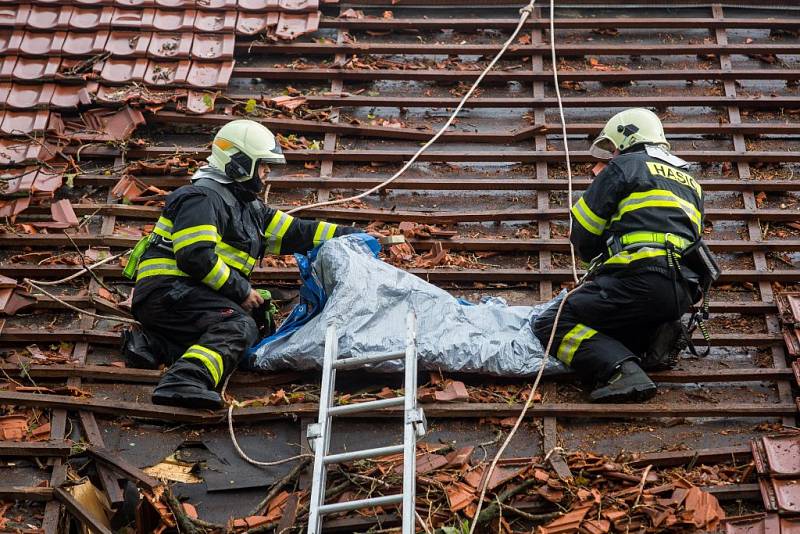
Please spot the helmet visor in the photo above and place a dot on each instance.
(603, 148)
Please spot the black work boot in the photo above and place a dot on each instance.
(668, 342)
(136, 350)
(629, 383)
(187, 385)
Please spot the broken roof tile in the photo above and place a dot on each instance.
(12, 208)
(116, 125)
(35, 68)
(787, 494)
(213, 46)
(85, 43)
(15, 152)
(291, 26)
(209, 74)
(124, 70)
(62, 212)
(167, 72)
(567, 523)
(172, 21)
(18, 181)
(10, 41)
(49, 17)
(42, 44)
(141, 19)
(170, 45)
(128, 43)
(199, 102)
(215, 21)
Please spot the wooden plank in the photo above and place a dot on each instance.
(25, 493)
(76, 509)
(52, 448)
(121, 465)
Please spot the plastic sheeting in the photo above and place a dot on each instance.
(344, 282)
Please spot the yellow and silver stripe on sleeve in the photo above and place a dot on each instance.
(163, 228)
(590, 221)
(218, 275)
(275, 231)
(572, 341)
(324, 232)
(211, 359)
(238, 259)
(159, 267)
(194, 234)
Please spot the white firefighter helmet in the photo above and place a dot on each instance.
(240, 146)
(626, 129)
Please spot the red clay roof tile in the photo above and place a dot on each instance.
(49, 17)
(170, 45)
(7, 67)
(252, 23)
(84, 43)
(172, 21)
(134, 3)
(128, 43)
(140, 19)
(35, 68)
(167, 72)
(787, 493)
(292, 26)
(783, 453)
(196, 102)
(24, 122)
(66, 96)
(305, 6)
(5, 90)
(215, 21)
(18, 180)
(43, 43)
(25, 96)
(15, 152)
(10, 41)
(209, 74)
(216, 4)
(14, 15)
(124, 70)
(11, 208)
(90, 18)
(214, 46)
(258, 5)
(176, 4)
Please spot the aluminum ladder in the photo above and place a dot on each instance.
(319, 434)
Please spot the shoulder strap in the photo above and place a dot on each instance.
(218, 188)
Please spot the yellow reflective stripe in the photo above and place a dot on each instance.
(194, 234)
(635, 238)
(658, 198)
(159, 267)
(210, 358)
(625, 257)
(572, 341)
(276, 230)
(236, 258)
(587, 218)
(163, 228)
(324, 232)
(218, 275)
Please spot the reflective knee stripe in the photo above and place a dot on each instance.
(276, 230)
(587, 218)
(218, 275)
(210, 358)
(324, 232)
(238, 259)
(194, 234)
(159, 267)
(638, 238)
(163, 228)
(658, 198)
(579, 333)
(625, 257)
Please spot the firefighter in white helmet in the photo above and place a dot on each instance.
(635, 225)
(193, 295)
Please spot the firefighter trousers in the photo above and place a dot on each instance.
(197, 331)
(611, 319)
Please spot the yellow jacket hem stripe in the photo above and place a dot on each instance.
(572, 341)
(658, 198)
(159, 267)
(625, 257)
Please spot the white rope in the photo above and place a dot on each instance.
(238, 448)
(525, 13)
(546, 356)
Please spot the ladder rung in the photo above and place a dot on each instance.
(360, 361)
(363, 453)
(361, 503)
(366, 406)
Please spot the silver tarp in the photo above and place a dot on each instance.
(368, 300)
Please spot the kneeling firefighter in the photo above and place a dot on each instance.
(639, 226)
(193, 295)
